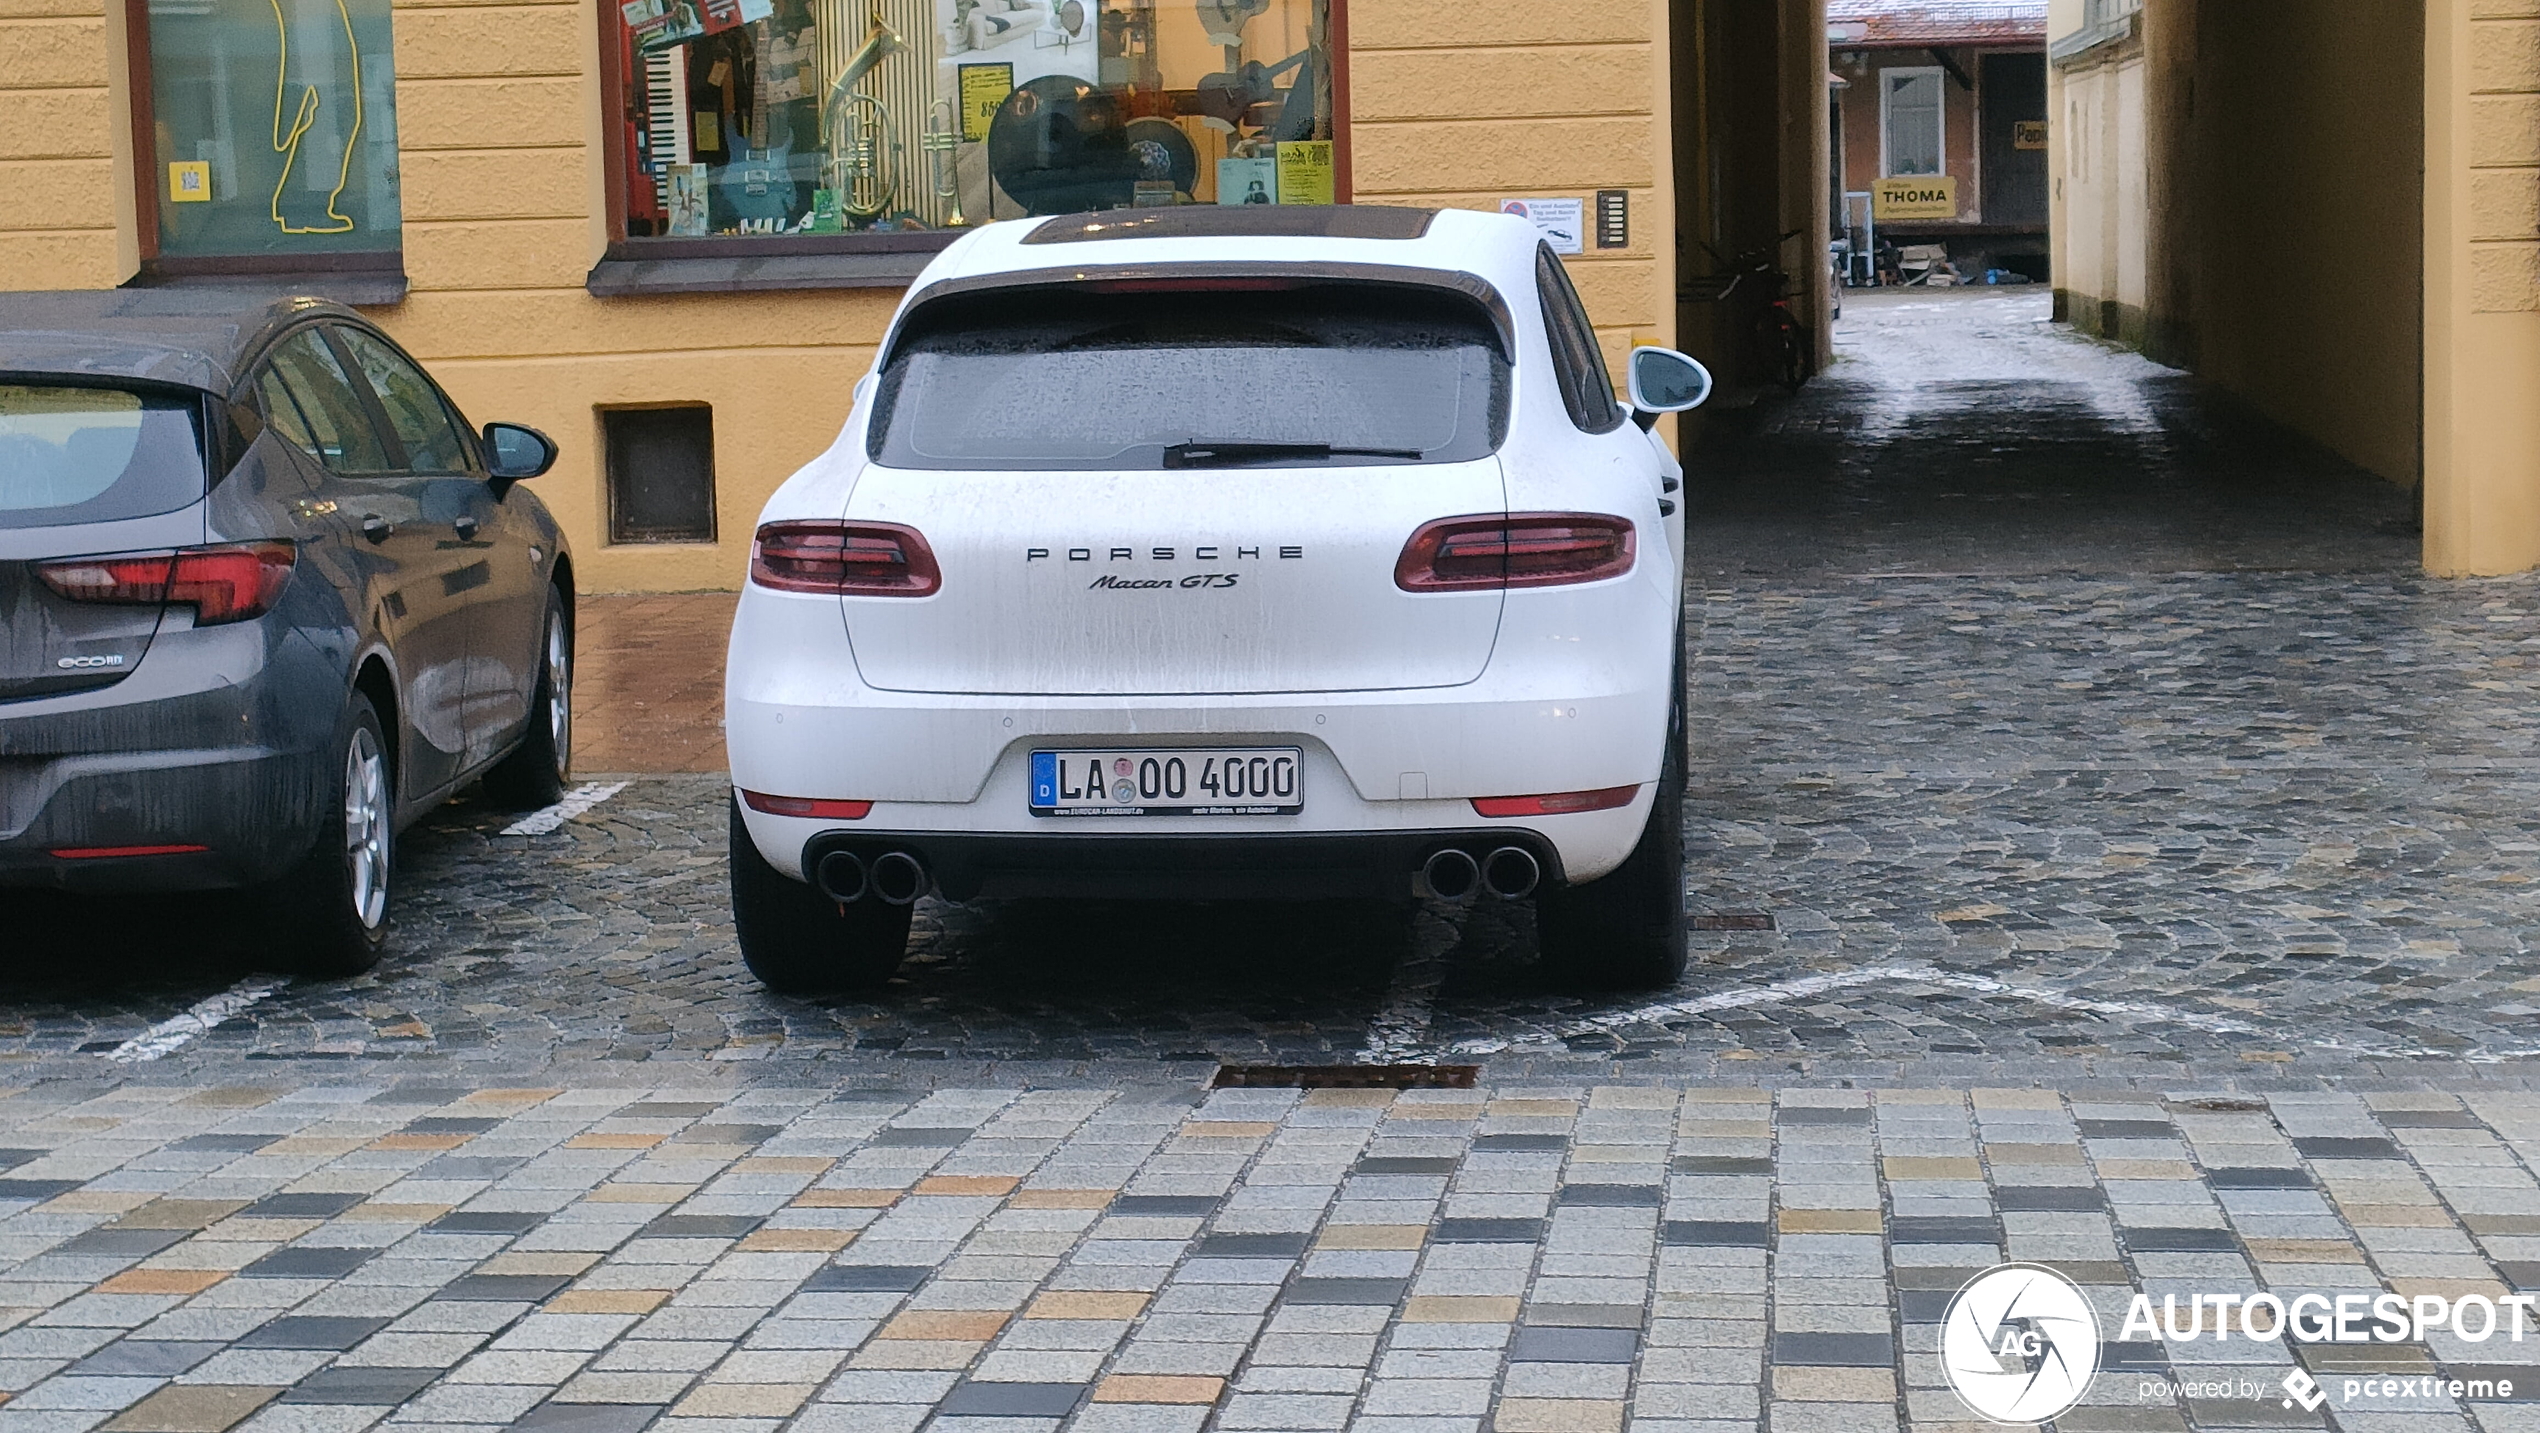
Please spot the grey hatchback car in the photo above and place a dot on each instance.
(265, 598)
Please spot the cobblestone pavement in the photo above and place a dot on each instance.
(2107, 851)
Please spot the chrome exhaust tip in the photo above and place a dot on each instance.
(898, 878)
(1451, 876)
(1510, 873)
(840, 876)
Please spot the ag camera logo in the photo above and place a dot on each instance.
(2019, 1344)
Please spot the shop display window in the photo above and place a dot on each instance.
(272, 129)
(750, 118)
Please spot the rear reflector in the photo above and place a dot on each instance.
(1466, 554)
(807, 806)
(1558, 804)
(94, 853)
(229, 583)
(852, 559)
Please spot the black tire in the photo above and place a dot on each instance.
(1626, 929)
(329, 916)
(798, 941)
(1790, 353)
(536, 772)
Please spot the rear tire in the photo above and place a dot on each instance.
(536, 772)
(330, 914)
(1626, 930)
(798, 941)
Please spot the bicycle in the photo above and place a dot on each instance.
(1785, 347)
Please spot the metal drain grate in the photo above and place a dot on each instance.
(1345, 1077)
(2221, 1105)
(1733, 920)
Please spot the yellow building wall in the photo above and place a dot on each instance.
(2482, 286)
(499, 112)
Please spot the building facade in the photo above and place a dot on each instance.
(669, 232)
(1939, 126)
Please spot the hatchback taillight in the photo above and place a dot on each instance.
(857, 559)
(1539, 549)
(228, 583)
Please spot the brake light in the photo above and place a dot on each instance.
(1468, 554)
(1558, 804)
(855, 559)
(807, 806)
(229, 583)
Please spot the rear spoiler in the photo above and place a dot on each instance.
(1099, 278)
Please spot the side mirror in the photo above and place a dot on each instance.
(514, 451)
(1665, 381)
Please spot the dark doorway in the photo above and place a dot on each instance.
(2013, 93)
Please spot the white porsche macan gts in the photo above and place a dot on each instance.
(1223, 553)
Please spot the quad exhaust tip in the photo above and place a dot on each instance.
(1510, 873)
(898, 878)
(1452, 876)
(841, 877)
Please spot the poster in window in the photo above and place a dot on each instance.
(1247, 181)
(983, 88)
(687, 200)
(1305, 171)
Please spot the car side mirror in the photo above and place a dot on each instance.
(515, 451)
(1665, 381)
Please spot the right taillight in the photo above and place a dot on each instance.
(1463, 554)
(854, 559)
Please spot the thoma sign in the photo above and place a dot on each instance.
(1923, 196)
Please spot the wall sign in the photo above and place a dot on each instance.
(1562, 222)
(1922, 196)
(2028, 134)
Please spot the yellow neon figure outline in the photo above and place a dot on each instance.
(288, 146)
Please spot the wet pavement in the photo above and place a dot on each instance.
(2106, 850)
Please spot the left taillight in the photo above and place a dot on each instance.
(853, 559)
(231, 582)
(1466, 554)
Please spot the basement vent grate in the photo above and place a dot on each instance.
(1733, 920)
(1345, 1077)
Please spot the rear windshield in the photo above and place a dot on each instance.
(73, 455)
(1316, 376)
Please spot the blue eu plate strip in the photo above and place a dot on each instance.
(1045, 778)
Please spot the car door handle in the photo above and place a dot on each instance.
(466, 527)
(376, 528)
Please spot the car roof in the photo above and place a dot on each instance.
(1498, 248)
(198, 338)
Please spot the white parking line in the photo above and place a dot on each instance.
(580, 799)
(177, 1031)
(1810, 986)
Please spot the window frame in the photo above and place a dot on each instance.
(1939, 124)
(615, 152)
(386, 264)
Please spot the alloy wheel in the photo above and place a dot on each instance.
(366, 827)
(559, 693)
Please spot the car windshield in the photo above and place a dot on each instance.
(1273, 375)
(80, 454)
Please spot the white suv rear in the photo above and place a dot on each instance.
(1228, 552)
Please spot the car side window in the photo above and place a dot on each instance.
(281, 413)
(1579, 365)
(415, 409)
(335, 427)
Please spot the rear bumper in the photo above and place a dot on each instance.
(217, 740)
(1372, 865)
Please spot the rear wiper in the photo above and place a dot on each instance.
(1228, 455)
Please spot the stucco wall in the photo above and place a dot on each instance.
(499, 114)
(2482, 286)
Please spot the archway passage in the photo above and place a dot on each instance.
(1962, 431)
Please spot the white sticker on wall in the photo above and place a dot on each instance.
(1562, 222)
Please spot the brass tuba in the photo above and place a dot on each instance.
(864, 160)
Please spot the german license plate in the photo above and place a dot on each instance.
(1174, 781)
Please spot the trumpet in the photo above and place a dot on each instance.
(864, 160)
